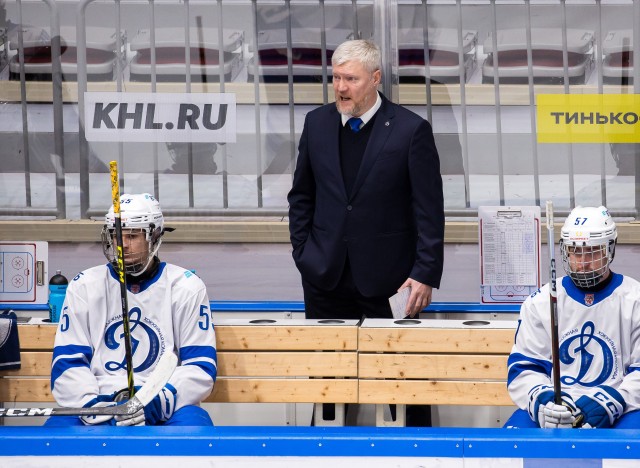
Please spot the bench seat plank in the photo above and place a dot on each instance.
(432, 366)
(285, 391)
(227, 389)
(235, 337)
(436, 340)
(25, 389)
(273, 338)
(311, 364)
(37, 337)
(237, 364)
(32, 364)
(433, 392)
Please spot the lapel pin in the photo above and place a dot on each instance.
(386, 124)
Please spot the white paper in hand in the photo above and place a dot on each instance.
(398, 303)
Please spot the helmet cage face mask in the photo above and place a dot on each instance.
(137, 255)
(587, 266)
(588, 245)
(140, 213)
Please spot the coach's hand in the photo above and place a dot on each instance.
(419, 298)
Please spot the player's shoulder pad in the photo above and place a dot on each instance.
(629, 286)
(189, 273)
(185, 277)
(540, 294)
(90, 274)
(629, 280)
(534, 293)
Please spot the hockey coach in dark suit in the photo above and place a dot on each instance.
(366, 215)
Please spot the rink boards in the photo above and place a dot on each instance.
(311, 447)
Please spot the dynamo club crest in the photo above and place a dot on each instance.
(589, 354)
(588, 299)
(146, 342)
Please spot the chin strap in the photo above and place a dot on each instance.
(148, 272)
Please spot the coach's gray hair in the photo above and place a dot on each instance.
(365, 52)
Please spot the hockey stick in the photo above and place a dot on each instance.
(154, 384)
(115, 195)
(553, 309)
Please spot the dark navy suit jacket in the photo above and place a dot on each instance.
(392, 224)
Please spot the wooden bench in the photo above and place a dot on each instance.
(433, 362)
(272, 363)
(30, 383)
(267, 361)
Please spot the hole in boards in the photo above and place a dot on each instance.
(407, 322)
(475, 323)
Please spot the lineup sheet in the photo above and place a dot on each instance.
(509, 239)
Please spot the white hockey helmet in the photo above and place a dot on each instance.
(588, 244)
(138, 213)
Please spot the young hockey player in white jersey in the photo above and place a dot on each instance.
(168, 313)
(599, 337)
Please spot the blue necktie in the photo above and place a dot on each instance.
(354, 123)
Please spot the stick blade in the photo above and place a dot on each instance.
(158, 378)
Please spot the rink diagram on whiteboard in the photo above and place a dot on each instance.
(22, 273)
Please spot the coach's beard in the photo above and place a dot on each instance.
(342, 109)
(355, 111)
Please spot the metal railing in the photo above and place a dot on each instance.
(57, 155)
(272, 113)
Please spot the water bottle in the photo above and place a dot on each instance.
(57, 290)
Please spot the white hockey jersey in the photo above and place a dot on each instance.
(169, 313)
(599, 336)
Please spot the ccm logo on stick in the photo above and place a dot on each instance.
(25, 411)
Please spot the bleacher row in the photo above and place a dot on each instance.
(378, 361)
(164, 57)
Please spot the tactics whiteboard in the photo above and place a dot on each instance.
(509, 241)
(23, 272)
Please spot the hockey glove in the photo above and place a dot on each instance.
(136, 419)
(600, 407)
(100, 400)
(161, 407)
(546, 413)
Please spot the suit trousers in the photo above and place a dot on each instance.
(347, 303)
(344, 301)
